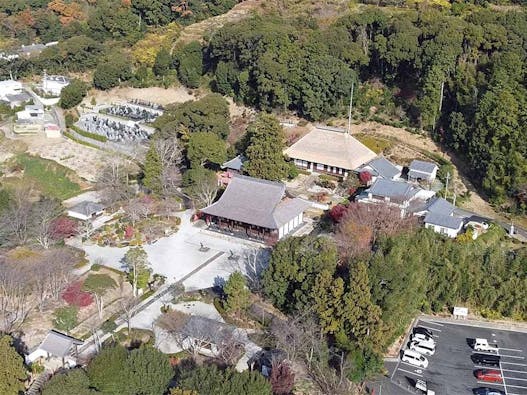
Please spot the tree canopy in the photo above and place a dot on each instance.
(266, 141)
(12, 371)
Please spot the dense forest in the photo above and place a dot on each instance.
(458, 72)
(363, 302)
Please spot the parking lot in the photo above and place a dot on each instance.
(451, 370)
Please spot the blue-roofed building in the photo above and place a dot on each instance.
(381, 167)
(422, 171)
(394, 193)
(445, 224)
(439, 215)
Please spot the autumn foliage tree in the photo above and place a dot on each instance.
(362, 224)
(282, 378)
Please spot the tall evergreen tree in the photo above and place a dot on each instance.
(153, 170)
(12, 372)
(264, 152)
(236, 292)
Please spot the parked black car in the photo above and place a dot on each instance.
(487, 391)
(486, 359)
(423, 331)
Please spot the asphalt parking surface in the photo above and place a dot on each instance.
(451, 371)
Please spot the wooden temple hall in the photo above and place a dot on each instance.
(256, 209)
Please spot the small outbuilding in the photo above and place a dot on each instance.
(422, 171)
(86, 210)
(58, 346)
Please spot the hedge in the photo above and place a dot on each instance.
(79, 141)
(89, 135)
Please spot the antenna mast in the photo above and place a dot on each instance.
(351, 106)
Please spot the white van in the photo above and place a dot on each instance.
(423, 348)
(414, 358)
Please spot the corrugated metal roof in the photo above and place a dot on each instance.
(392, 189)
(256, 202)
(422, 166)
(446, 221)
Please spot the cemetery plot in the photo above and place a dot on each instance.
(114, 129)
(139, 112)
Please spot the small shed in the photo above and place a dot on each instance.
(56, 345)
(422, 171)
(52, 131)
(86, 210)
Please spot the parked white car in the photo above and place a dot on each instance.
(484, 345)
(414, 358)
(423, 348)
(419, 337)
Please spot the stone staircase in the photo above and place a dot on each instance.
(36, 385)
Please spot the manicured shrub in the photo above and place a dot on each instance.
(75, 296)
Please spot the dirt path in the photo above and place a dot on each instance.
(197, 31)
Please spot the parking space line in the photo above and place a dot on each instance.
(432, 329)
(510, 349)
(432, 322)
(513, 386)
(490, 383)
(515, 371)
(511, 356)
(514, 379)
(513, 363)
(413, 366)
(395, 370)
(504, 381)
(407, 371)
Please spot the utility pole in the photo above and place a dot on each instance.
(446, 185)
(351, 106)
(454, 202)
(441, 97)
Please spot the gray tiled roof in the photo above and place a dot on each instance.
(207, 329)
(446, 221)
(288, 209)
(87, 208)
(58, 344)
(235, 163)
(256, 202)
(392, 189)
(383, 167)
(440, 206)
(422, 166)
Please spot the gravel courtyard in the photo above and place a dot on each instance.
(176, 257)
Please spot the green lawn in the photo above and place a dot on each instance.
(376, 144)
(50, 178)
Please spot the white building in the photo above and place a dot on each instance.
(53, 84)
(57, 350)
(439, 216)
(86, 210)
(422, 171)
(52, 131)
(445, 224)
(34, 113)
